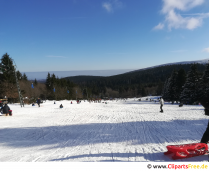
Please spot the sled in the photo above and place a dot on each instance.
(186, 150)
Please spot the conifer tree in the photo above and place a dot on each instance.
(159, 90)
(143, 92)
(48, 82)
(35, 82)
(7, 78)
(24, 77)
(204, 84)
(172, 87)
(190, 88)
(19, 75)
(181, 78)
(139, 89)
(53, 80)
(165, 90)
(8, 73)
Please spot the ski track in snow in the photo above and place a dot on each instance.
(129, 131)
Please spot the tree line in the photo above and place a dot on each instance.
(139, 83)
(175, 82)
(31, 90)
(54, 88)
(187, 88)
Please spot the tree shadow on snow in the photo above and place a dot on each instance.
(128, 133)
(130, 157)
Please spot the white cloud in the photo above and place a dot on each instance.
(182, 5)
(112, 5)
(107, 6)
(206, 50)
(198, 14)
(160, 26)
(175, 20)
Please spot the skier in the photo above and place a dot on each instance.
(6, 109)
(205, 103)
(38, 101)
(161, 104)
(61, 106)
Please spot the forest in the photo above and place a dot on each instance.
(173, 82)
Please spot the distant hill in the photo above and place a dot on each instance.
(83, 78)
(140, 82)
(159, 72)
(203, 61)
(39, 81)
(144, 81)
(137, 83)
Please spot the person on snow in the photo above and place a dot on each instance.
(205, 103)
(61, 106)
(71, 102)
(161, 104)
(38, 102)
(1, 106)
(6, 109)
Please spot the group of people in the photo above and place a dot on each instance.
(38, 101)
(5, 109)
(204, 101)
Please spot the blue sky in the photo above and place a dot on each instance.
(69, 35)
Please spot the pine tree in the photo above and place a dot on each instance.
(181, 78)
(204, 84)
(165, 90)
(35, 82)
(139, 89)
(25, 77)
(53, 80)
(159, 90)
(172, 87)
(7, 78)
(8, 73)
(190, 88)
(48, 82)
(143, 92)
(19, 75)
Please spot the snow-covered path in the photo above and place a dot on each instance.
(117, 131)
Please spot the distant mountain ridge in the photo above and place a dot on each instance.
(61, 74)
(139, 82)
(80, 78)
(203, 61)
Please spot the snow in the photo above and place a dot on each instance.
(120, 130)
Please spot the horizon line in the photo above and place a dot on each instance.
(82, 70)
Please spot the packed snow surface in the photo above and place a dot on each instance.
(120, 130)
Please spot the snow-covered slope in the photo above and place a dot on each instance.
(117, 131)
